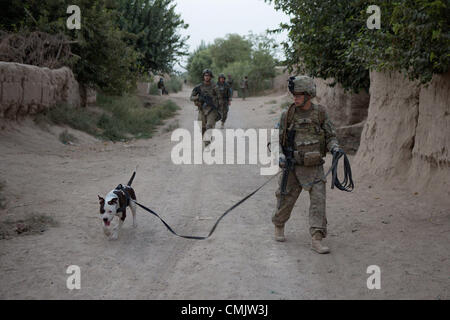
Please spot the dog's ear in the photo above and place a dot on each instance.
(102, 204)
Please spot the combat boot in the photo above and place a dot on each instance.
(279, 234)
(316, 243)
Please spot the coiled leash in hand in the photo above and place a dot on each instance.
(347, 184)
(218, 220)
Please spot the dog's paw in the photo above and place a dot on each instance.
(114, 237)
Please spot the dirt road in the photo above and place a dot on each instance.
(405, 234)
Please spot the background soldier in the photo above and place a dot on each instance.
(204, 95)
(162, 87)
(230, 83)
(225, 96)
(244, 88)
(314, 135)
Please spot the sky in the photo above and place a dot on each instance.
(211, 19)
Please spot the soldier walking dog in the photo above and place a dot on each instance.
(306, 133)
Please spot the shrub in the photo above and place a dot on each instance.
(174, 84)
(122, 117)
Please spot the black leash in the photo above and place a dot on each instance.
(218, 220)
(346, 185)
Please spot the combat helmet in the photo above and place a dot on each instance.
(207, 71)
(222, 76)
(302, 84)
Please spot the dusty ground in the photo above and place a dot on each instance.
(405, 234)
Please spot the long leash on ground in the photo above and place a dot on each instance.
(346, 185)
(237, 204)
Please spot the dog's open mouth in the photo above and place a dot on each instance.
(107, 223)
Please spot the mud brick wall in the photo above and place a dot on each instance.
(27, 89)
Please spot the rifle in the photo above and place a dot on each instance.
(288, 151)
(207, 100)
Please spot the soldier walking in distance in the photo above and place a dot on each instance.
(225, 96)
(314, 135)
(244, 88)
(230, 83)
(204, 95)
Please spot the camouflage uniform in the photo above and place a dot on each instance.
(315, 134)
(224, 96)
(244, 88)
(207, 115)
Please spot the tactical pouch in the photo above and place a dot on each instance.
(308, 153)
(312, 159)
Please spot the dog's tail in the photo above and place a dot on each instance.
(132, 177)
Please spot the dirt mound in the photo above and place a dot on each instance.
(407, 130)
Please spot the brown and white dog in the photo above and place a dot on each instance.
(115, 204)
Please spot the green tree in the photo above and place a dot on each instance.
(198, 61)
(320, 32)
(330, 39)
(414, 40)
(238, 56)
(152, 28)
(230, 49)
(118, 38)
(103, 59)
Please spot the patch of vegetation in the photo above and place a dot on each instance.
(174, 85)
(272, 102)
(154, 91)
(130, 117)
(77, 118)
(36, 224)
(171, 127)
(123, 117)
(66, 138)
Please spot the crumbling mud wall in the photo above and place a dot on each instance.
(347, 111)
(280, 82)
(344, 108)
(407, 131)
(27, 89)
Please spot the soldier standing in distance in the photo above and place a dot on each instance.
(244, 88)
(230, 83)
(314, 135)
(225, 97)
(208, 114)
